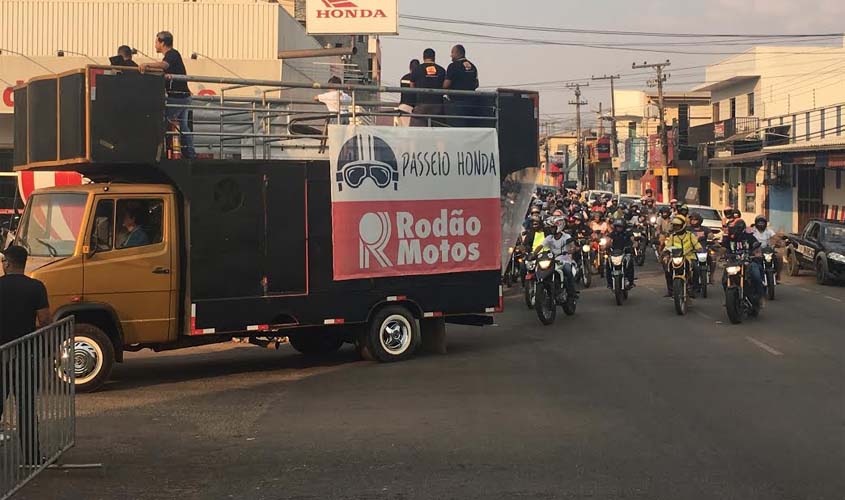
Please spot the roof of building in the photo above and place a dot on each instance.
(714, 86)
(826, 144)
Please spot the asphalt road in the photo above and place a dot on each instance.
(627, 402)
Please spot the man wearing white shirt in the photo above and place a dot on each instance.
(334, 99)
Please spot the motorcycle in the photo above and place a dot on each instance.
(513, 273)
(769, 271)
(704, 271)
(599, 248)
(681, 271)
(550, 289)
(617, 263)
(583, 257)
(739, 302)
(639, 245)
(529, 286)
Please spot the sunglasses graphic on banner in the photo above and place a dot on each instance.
(367, 157)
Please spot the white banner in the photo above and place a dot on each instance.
(352, 17)
(373, 163)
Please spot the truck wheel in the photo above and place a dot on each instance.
(392, 335)
(93, 357)
(822, 276)
(793, 266)
(316, 344)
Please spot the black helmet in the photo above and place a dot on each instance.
(618, 224)
(664, 210)
(737, 214)
(696, 216)
(761, 220)
(737, 228)
(683, 209)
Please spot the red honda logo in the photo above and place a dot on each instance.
(339, 4)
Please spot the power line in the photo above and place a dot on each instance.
(615, 32)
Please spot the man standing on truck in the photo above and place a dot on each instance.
(461, 75)
(429, 75)
(407, 101)
(23, 306)
(178, 93)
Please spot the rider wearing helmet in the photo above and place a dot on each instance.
(534, 235)
(767, 238)
(683, 210)
(560, 245)
(673, 205)
(597, 225)
(696, 227)
(620, 240)
(739, 240)
(682, 238)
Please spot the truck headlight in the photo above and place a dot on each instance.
(586, 248)
(677, 260)
(733, 270)
(616, 260)
(836, 257)
(545, 264)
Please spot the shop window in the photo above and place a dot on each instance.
(716, 112)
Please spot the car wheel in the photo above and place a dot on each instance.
(393, 334)
(822, 275)
(93, 357)
(792, 263)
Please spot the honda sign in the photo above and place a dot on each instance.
(352, 17)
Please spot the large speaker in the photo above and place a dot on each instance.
(519, 128)
(94, 115)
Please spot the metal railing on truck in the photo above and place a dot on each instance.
(38, 413)
(272, 125)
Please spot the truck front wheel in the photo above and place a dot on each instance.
(93, 357)
(392, 334)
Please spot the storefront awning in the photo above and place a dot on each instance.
(752, 157)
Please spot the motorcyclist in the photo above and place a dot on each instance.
(620, 239)
(683, 209)
(689, 245)
(664, 225)
(535, 234)
(738, 237)
(616, 210)
(673, 206)
(767, 238)
(534, 212)
(649, 208)
(597, 225)
(700, 232)
(560, 245)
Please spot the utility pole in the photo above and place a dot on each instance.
(601, 121)
(664, 134)
(613, 136)
(582, 177)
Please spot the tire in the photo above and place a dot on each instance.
(792, 264)
(822, 276)
(679, 296)
(316, 344)
(602, 265)
(733, 305)
(569, 306)
(587, 279)
(93, 357)
(640, 259)
(770, 289)
(392, 334)
(704, 278)
(508, 279)
(530, 293)
(543, 297)
(618, 292)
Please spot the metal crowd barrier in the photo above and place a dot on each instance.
(38, 414)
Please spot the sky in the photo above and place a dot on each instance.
(508, 64)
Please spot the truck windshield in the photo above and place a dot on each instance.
(834, 234)
(51, 224)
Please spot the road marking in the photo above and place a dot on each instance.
(806, 290)
(769, 349)
(828, 297)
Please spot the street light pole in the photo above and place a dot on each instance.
(582, 177)
(664, 135)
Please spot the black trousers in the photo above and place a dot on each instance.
(24, 388)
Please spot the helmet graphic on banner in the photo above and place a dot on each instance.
(364, 157)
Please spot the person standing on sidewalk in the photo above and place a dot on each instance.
(23, 306)
(178, 93)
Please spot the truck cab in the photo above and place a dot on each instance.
(108, 254)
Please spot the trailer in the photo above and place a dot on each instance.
(321, 228)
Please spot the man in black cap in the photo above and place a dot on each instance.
(23, 306)
(461, 75)
(428, 75)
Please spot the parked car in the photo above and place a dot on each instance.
(821, 248)
(590, 196)
(630, 199)
(712, 218)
